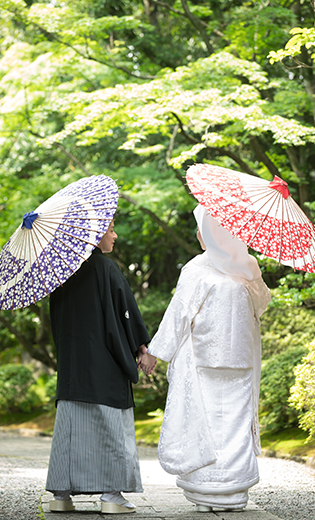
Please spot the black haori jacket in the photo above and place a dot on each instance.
(97, 329)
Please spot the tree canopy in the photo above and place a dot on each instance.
(139, 90)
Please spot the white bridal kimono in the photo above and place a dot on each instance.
(210, 337)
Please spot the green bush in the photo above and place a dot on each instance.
(283, 328)
(153, 308)
(151, 391)
(17, 393)
(303, 392)
(50, 387)
(50, 393)
(277, 377)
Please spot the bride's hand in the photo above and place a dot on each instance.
(146, 361)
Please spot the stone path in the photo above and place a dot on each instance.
(23, 470)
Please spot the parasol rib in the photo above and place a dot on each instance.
(64, 243)
(294, 206)
(278, 195)
(23, 276)
(51, 221)
(258, 212)
(35, 263)
(63, 203)
(10, 277)
(45, 216)
(257, 230)
(290, 232)
(31, 263)
(234, 203)
(43, 249)
(281, 232)
(72, 236)
(251, 217)
(37, 260)
(57, 252)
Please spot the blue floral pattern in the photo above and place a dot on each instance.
(69, 225)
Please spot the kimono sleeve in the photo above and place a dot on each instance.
(175, 326)
(124, 327)
(132, 322)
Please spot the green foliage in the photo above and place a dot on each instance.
(152, 309)
(277, 377)
(27, 330)
(46, 386)
(303, 391)
(16, 392)
(146, 110)
(151, 391)
(50, 384)
(148, 430)
(303, 37)
(286, 327)
(138, 91)
(249, 30)
(291, 104)
(295, 289)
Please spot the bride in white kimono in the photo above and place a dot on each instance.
(210, 337)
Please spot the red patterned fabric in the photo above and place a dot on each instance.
(280, 185)
(260, 213)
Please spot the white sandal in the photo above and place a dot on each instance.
(203, 509)
(115, 503)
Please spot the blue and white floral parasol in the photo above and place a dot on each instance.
(55, 239)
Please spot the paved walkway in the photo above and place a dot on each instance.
(161, 498)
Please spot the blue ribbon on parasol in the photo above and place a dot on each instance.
(28, 219)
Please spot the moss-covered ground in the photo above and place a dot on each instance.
(291, 442)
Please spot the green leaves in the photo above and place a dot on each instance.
(152, 108)
(302, 37)
(303, 391)
(295, 289)
(16, 393)
(140, 91)
(256, 27)
(277, 377)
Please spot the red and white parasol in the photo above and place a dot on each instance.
(260, 213)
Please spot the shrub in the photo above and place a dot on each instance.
(50, 393)
(152, 309)
(283, 328)
(150, 393)
(51, 386)
(277, 377)
(303, 392)
(16, 392)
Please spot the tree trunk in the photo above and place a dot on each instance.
(303, 186)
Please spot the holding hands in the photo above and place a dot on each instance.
(146, 361)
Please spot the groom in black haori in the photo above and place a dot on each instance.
(98, 332)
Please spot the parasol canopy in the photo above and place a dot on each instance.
(53, 241)
(261, 213)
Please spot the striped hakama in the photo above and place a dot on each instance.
(93, 450)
